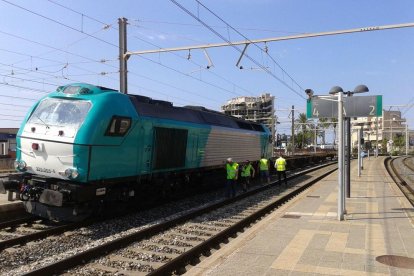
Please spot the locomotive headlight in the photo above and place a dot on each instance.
(71, 173)
(74, 174)
(20, 165)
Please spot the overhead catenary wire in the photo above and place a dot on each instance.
(15, 105)
(66, 46)
(209, 71)
(38, 72)
(263, 50)
(47, 46)
(214, 26)
(58, 62)
(229, 91)
(187, 75)
(28, 80)
(8, 115)
(237, 48)
(22, 87)
(74, 54)
(72, 28)
(60, 23)
(10, 120)
(65, 51)
(94, 73)
(82, 14)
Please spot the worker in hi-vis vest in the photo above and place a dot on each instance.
(246, 174)
(264, 169)
(232, 169)
(280, 166)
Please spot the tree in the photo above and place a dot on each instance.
(302, 126)
(323, 124)
(334, 123)
(399, 142)
(384, 145)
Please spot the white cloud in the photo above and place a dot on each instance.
(161, 37)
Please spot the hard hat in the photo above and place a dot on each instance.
(229, 160)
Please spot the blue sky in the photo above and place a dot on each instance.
(59, 46)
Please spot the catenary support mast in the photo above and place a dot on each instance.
(123, 83)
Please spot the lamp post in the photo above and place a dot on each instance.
(376, 137)
(341, 147)
(339, 92)
(316, 141)
(357, 90)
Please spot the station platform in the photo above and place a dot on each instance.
(9, 206)
(305, 237)
(6, 205)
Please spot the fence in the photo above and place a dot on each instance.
(6, 164)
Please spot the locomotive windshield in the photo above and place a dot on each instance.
(60, 112)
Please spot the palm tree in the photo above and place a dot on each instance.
(334, 123)
(302, 124)
(323, 124)
(326, 123)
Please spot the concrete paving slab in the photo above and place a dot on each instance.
(9, 206)
(379, 221)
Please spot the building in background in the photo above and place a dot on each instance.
(8, 142)
(385, 129)
(258, 109)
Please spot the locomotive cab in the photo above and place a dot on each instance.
(46, 140)
(62, 146)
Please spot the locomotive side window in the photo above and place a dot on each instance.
(118, 126)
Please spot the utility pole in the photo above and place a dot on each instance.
(123, 70)
(406, 139)
(273, 119)
(293, 130)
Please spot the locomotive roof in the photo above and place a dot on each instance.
(146, 106)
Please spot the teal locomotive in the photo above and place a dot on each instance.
(83, 147)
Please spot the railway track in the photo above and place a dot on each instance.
(168, 246)
(401, 170)
(23, 230)
(408, 162)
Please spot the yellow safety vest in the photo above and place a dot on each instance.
(280, 164)
(232, 170)
(246, 170)
(263, 164)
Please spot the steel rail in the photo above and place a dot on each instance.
(405, 161)
(43, 234)
(104, 249)
(15, 222)
(407, 190)
(185, 258)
